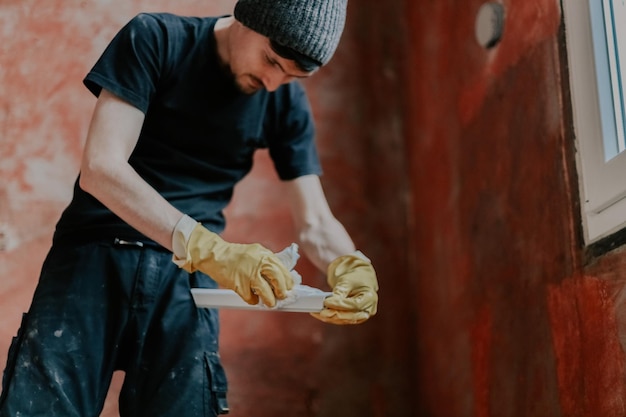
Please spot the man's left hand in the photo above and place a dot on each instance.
(355, 298)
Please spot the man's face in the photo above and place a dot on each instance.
(254, 64)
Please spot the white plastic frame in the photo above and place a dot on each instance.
(602, 181)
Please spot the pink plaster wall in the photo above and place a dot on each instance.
(287, 364)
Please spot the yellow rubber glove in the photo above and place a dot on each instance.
(251, 270)
(355, 297)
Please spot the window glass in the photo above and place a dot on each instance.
(609, 45)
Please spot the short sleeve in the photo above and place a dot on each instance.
(131, 65)
(292, 144)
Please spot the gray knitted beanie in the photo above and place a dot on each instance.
(310, 27)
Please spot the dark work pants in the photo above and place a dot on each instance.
(109, 306)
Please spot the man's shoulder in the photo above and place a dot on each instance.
(174, 35)
(170, 21)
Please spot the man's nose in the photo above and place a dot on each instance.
(274, 79)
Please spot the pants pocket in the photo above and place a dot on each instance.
(217, 384)
(11, 359)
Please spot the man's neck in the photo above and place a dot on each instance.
(223, 29)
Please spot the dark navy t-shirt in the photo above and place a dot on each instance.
(200, 132)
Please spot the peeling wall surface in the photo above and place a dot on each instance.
(451, 165)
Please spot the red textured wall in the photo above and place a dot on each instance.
(451, 165)
(511, 320)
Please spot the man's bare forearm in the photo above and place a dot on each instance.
(322, 237)
(107, 175)
(127, 195)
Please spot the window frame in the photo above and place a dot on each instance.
(602, 182)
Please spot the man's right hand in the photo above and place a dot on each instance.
(251, 270)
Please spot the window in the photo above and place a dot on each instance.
(596, 47)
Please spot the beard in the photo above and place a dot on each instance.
(245, 83)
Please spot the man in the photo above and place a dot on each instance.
(183, 103)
